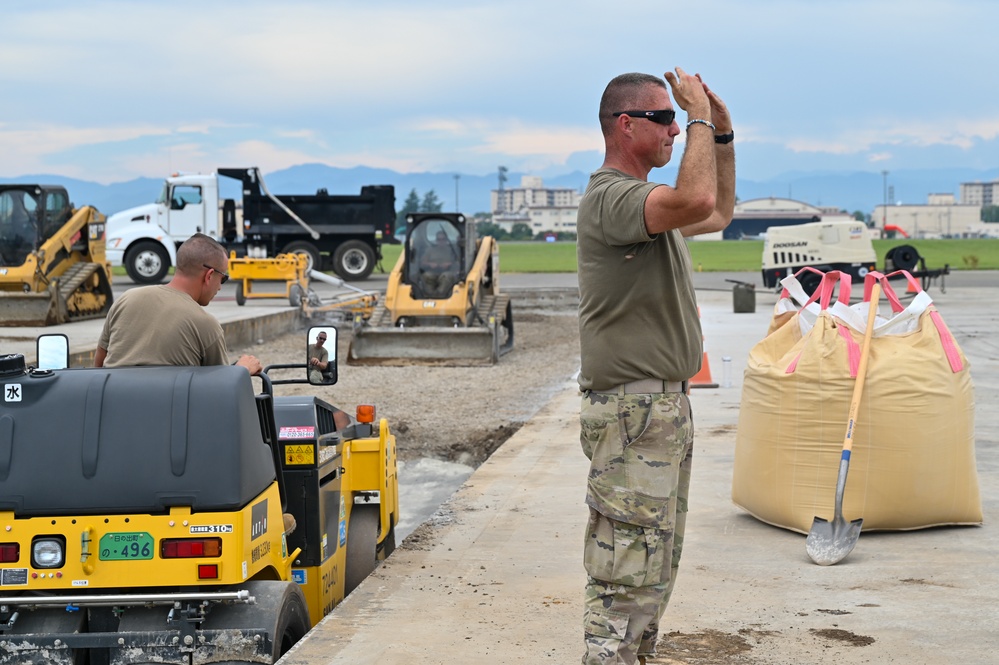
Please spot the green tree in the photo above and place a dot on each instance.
(430, 202)
(490, 229)
(412, 204)
(859, 216)
(990, 214)
(521, 231)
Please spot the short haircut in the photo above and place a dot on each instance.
(625, 93)
(198, 251)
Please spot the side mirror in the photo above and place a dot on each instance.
(321, 356)
(52, 351)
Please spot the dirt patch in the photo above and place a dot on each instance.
(843, 636)
(709, 647)
(458, 414)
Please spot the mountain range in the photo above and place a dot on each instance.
(850, 191)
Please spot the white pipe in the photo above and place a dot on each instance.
(335, 281)
(312, 231)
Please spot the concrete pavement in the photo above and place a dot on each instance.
(496, 575)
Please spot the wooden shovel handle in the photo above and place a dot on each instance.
(858, 387)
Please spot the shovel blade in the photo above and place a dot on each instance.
(829, 543)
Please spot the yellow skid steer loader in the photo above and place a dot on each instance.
(52, 263)
(442, 305)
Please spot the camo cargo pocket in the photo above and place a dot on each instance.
(605, 624)
(636, 444)
(628, 554)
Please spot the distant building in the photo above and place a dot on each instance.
(980, 193)
(752, 218)
(544, 209)
(940, 217)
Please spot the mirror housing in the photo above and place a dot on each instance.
(314, 352)
(52, 351)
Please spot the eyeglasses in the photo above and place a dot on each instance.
(224, 276)
(320, 339)
(663, 117)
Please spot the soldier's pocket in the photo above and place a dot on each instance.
(652, 460)
(622, 553)
(600, 431)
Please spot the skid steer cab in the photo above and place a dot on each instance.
(178, 514)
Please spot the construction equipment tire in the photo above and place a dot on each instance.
(362, 545)
(280, 609)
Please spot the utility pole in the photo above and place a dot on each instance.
(457, 207)
(499, 196)
(884, 211)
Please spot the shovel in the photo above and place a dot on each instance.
(830, 542)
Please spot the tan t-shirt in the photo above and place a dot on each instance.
(637, 310)
(159, 325)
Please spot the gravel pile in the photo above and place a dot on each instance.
(458, 414)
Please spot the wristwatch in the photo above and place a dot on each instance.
(725, 138)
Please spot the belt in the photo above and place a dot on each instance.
(646, 386)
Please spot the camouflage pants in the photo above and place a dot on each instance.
(640, 451)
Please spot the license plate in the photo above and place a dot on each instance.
(126, 546)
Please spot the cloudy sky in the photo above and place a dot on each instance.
(112, 90)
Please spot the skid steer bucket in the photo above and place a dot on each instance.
(32, 309)
(441, 346)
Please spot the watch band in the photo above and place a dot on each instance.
(725, 138)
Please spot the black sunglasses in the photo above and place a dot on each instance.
(663, 117)
(224, 276)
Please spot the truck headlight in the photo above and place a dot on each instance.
(47, 552)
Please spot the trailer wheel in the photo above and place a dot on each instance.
(240, 296)
(295, 295)
(810, 281)
(147, 263)
(280, 609)
(309, 250)
(362, 545)
(354, 260)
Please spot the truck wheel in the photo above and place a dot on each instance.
(354, 260)
(308, 249)
(362, 546)
(147, 263)
(280, 610)
(240, 296)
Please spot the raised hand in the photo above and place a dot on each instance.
(690, 94)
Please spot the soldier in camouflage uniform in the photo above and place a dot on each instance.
(640, 341)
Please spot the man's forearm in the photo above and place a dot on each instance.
(721, 217)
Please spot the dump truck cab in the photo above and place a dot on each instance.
(147, 522)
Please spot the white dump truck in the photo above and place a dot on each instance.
(339, 232)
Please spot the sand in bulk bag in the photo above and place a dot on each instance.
(913, 463)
